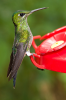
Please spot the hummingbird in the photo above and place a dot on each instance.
(22, 42)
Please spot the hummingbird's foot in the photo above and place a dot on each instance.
(29, 54)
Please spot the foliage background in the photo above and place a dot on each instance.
(31, 83)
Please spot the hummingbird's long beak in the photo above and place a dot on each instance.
(37, 10)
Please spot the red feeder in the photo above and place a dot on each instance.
(51, 53)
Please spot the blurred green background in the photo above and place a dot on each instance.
(31, 83)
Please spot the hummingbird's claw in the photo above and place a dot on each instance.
(32, 54)
(40, 69)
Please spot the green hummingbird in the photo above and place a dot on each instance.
(22, 41)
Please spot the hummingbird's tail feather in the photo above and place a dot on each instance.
(16, 60)
(14, 80)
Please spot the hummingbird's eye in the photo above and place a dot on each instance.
(22, 14)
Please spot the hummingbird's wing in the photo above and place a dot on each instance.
(15, 60)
